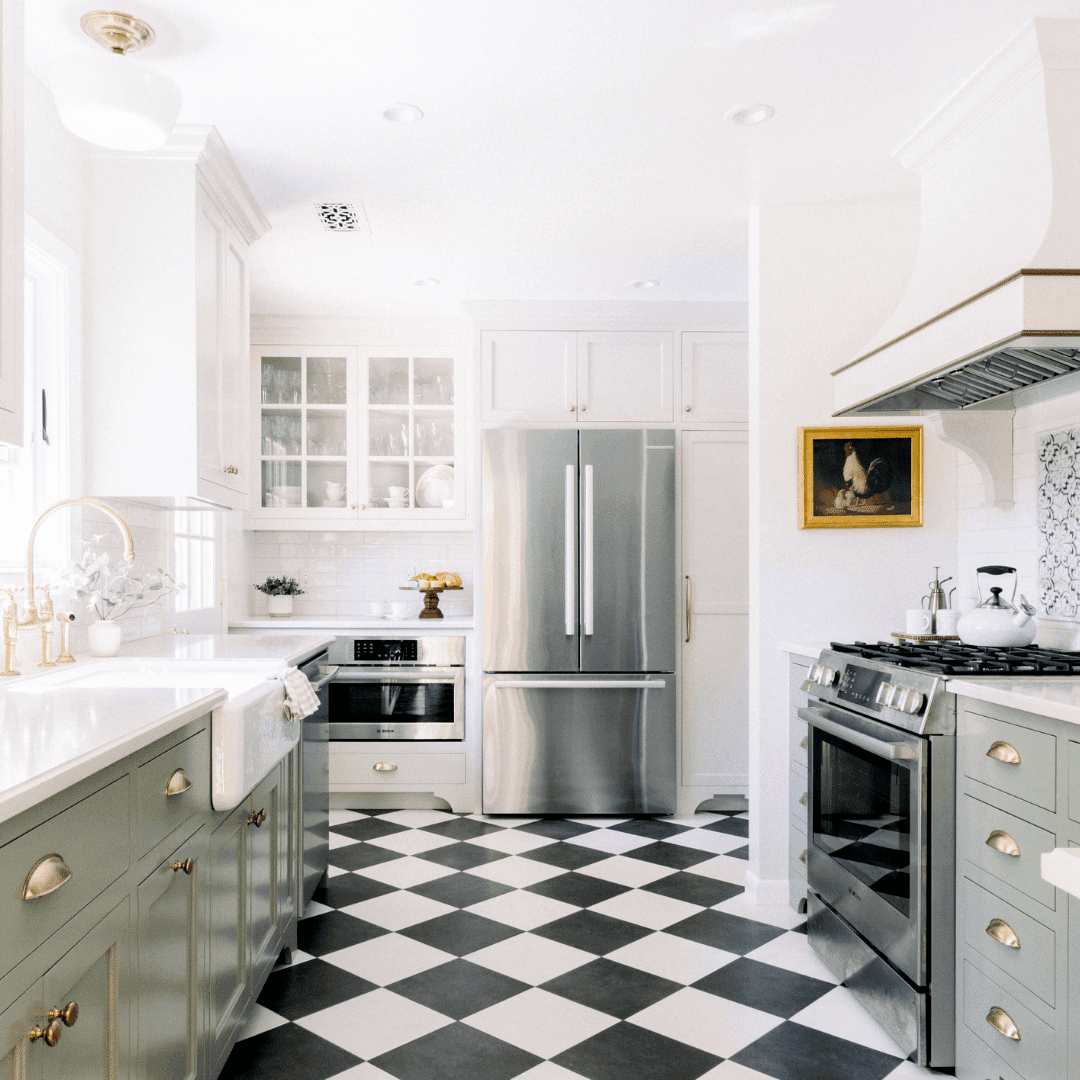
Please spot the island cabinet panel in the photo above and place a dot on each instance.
(173, 786)
(16, 1022)
(264, 869)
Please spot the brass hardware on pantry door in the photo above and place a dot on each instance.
(384, 766)
(232, 470)
(687, 607)
(1005, 752)
(1003, 842)
(45, 876)
(1003, 933)
(687, 408)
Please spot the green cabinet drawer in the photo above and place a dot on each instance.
(980, 822)
(1009, 757)
(185, 770)
(1074, 781)
(990, 924)
(92, 839)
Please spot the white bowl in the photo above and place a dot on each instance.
(402, 609)
(379, 609)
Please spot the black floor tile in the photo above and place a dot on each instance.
(462, 828)
(800, 929)
(623, 1051)
(456, 1052)
(460, 932)
(795, 1052)
(693, 888)
(577, 889)
(345, 889)
(763, 986)
(673, 855)
(593, 932)
(461, 890)
(361, 856)
(740, 853)
(459, 988)
(653, 828)
(334, 930)
(724, 931)
(732, 825)
(461, 856)
(287, 1052)
(305, 988)
(556, 828)
(568, 856)
(367, 828)
(612, 988)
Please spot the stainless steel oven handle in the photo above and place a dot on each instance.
(579, 684)
(894, 751)
(398, 677)
(328, 674)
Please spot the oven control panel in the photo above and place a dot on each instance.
(384, 650)
(860, 685)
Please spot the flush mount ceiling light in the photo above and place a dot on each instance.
(427, 281)
(402, 113)
(746, 115)
(109, 99)
(646, 283)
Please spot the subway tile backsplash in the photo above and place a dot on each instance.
(342, 572)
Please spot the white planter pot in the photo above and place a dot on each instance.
(104, 637)
(280, 606)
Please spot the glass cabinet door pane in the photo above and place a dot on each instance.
(281, 483)
(388, 381)
(433, 436)
(326, 483)
(280, 433)
(326, 434)
(433, 381)
(281, 380)
(326, 380)
(388, 434)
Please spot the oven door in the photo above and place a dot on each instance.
(867, 831)
(397, 703)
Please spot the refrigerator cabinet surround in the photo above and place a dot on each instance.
(579, 744)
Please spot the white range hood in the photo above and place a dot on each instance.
(991, 315)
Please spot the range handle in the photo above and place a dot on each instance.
(895, 751)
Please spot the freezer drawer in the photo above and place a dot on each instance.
(579, 744)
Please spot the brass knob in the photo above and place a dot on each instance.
(256, 818)
(1001, 931)
(573, 407)
(1003, 842)
(178, 783)
(232, 469)
(1005, 752)
(187, 865)
(1002, 1022)
(51, 1033)
(583, 408)
(69, 1014)
(384, 766)
(687, 408)
(45, 876)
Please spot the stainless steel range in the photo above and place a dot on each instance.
(881, 825)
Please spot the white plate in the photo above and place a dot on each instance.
(435, 486)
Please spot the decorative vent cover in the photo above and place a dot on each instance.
(342, 217)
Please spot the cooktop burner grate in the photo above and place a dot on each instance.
(955, 658)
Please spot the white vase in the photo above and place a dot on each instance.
(104, 637)
(280, 606)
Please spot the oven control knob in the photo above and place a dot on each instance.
(826, 676)
(886, 692)
(912, 703)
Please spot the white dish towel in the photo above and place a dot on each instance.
(300, 699)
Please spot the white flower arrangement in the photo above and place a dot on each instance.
(109, 592)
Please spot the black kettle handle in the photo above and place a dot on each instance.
(996, 570)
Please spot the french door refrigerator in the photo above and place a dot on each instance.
(580, 613)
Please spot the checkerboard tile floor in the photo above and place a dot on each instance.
(463, 947)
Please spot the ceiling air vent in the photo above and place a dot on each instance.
(342, 217)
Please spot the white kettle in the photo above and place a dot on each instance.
(995, 622)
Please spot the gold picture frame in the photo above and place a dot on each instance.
(860, 477)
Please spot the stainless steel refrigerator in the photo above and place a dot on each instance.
(580, 614)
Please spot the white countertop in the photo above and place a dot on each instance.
(288, 648)
(346, 624)
(1061, 867)
(802, 649)
(1058, 698)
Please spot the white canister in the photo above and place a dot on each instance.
(279, 606)
(918, 621)
(104, 637)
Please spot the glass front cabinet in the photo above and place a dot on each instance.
(352, 433)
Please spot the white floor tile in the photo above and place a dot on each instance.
(722, 868)
(780, 915)
(339, 841)
(792, 951)
(610, 840)
(693, 821)
(522, 909)
(710, 1023)
(839, 1014)
(726, 1070)
(335, 871)
(623, 871)
(672, 957)
(546, 1070)
(529, 958)
(542, 1023)
(366, 1071)
(417, 819)
(519, 873)
(505, 822)
(646, 909)
(908, 1070)
(511, 841)
(412, 842)
(407, 872)
(315, 908)
(600, 822)
(706, 840)
(374, 1023)
(388, 958)
(260, 1019)
(300, 957)
(342, 817)
(396, 910)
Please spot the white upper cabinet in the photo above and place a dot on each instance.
(11, 222)
(538, 375)
(715, 378)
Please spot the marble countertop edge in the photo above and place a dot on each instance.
(1054, 697)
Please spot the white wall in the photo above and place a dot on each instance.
(54, 168)
(823, 278)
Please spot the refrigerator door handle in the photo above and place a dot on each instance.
(587, 584)
(580, 684)
(569, 569)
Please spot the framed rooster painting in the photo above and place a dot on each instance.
(860, 477)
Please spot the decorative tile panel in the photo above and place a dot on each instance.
(1058, 514)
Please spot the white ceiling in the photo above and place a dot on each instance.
(567, 148)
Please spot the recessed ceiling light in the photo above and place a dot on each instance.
(427, 281)
(645, 283)
(757, 113)
(402, 113)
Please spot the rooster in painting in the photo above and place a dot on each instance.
(862, 481)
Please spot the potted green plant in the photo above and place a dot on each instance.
(279, 594)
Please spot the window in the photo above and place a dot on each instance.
(195, 559)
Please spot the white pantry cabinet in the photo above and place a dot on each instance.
(715, 377)
(11, 221)
(594, 376)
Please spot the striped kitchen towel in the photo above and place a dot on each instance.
(300, 699)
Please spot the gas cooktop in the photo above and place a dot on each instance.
(955, 658)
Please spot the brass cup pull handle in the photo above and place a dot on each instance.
(1004, 752)
(803, 855)
(257, 818)
(1002, 932)
(178, 782)
(804, 798)
(1003, 842)
(1002, 1023)
(51, 1033)
(384, 766)
(68, 1014)
(805, 744)
(47, 875)
(187, 865)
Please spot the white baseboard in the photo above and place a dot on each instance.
(768, 893)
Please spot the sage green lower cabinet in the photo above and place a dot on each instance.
(264, 873)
